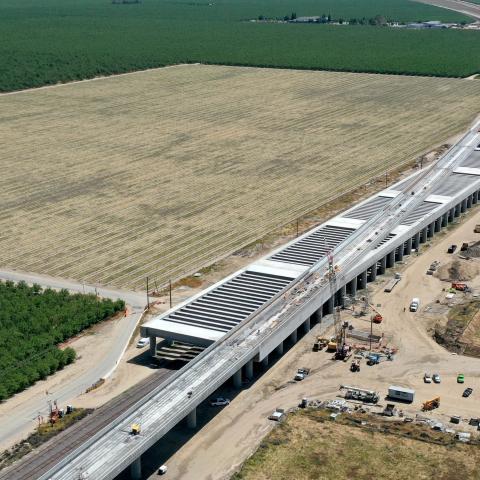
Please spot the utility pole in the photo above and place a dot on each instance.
(148, 298)
(386, 179)
(170, 292)
(297, 227)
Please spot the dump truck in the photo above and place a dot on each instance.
(135, 429)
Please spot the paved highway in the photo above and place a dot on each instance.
(111, 450)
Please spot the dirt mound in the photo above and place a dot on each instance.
(458, 270)
(473, 250)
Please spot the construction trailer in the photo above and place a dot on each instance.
(401, 393)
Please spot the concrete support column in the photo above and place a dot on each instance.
(399, 256)
(328, 306)
(438, 224)
(153, 345)
(293, 336)
(451, 214)
(265, 362)
(408, 247)
(457, 210)
(306, 325)
(316, 316)
(237, 378)
(249, 369)
(383, 265)
(391, 259)
(416, 240)
(373, 272)
(352, 287)
(445, 220)
(340, 296)
(474, 197)
(430, 230)
(362, 280)
(192, 419)
(423, 235)
(136, 469)
(279, 349)
(463, 207)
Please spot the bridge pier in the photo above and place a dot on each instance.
(249, 369)
(373, 273)
(352, 287)
(153, 345)
(362, 280)
(391, 259)
(237, 378)
(469, 201)
(474, 197)
(293, 337)
(136, 469)
(383, 265)
(279, 349)
(423, 235)
(408, 246)
(430, 230)
(316, 316)
(192, 419)
(416, 241)
(265, 362)
(340, 296)
(328, 306)
(306, 325)
(451, 214)
(457, 210)
(463, 207)
(438, 224)
(399, 255)
(445, 220)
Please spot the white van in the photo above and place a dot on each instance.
(414, 304)
(143, 342)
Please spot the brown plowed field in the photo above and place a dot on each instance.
(162, 172)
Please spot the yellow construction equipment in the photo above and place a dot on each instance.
(431, 404)
(135, 429)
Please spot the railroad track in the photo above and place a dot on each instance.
(47, 455)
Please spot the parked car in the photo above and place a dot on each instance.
(460, 378)
(219, 402)
(427, 378)
(162, 470)
(143, 342)
(436, 378)
(451, 248)
(467, 392)
(301, 374)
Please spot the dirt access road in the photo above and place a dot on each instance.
(470, 9)
(234, 433)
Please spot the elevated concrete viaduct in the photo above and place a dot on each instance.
(249, 315)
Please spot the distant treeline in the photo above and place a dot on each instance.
(32, 324)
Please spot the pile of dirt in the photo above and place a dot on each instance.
(473, 251)
(458, 270)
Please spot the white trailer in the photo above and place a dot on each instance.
(401, 393)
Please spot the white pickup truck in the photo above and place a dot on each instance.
(414, 304)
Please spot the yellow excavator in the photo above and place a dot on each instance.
(431, 404)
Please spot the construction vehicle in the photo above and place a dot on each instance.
(414, 304)
(451, 248)
(355, 366)
(135, 429)
(391, 284)
(320, 344)
(360, 394)
(461, 287)
(341, 348)
(301, 374)
(477, 228)
(431, 404)
(464, 247)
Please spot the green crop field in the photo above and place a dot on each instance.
(61, 40)
(33, 322)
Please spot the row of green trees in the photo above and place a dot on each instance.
(32, 324)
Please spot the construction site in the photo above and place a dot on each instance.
(373, 312)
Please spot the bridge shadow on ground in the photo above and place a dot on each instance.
(176, 438)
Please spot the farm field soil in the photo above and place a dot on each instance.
(309, 446)
(162, 172)
(62, 40)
